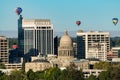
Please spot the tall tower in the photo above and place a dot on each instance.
(38, 37)
(20, 37)
(93, 44)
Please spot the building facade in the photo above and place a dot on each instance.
(38, 65)
(56, 45)
(111, 54)
(20, 37)
(65, 49)
(16, 66)
(116, 51)
(38, 37)
(75, 49)
(3, 49)
(93, 41)
(98, 51)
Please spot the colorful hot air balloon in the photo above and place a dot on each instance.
(115, 21)
(18, 10)
(78, 22)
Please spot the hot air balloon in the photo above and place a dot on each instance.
(78, 22)
(115, 21)
(18, 10)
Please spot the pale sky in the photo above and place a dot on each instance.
(93, 14)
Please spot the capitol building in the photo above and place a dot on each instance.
(65, 49)
(64, 58)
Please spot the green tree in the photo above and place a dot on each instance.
(92, 77)
(3, 76)
(39, 75)
(23, 66)
(2, 66)
(31, 75)
(17, 75)
(52, 73)
(71, 73)
(12, 41)
(65, 75)
(102, 65)
(103, 75)
(114, 73)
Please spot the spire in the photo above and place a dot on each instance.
(66, 32)
(20, 17)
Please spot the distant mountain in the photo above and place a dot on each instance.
(9, 34)
(13, 34)
(73, 33)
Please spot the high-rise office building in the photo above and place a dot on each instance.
(56, 45)
(20, 37)
(38, 37)
(94, 41)
(3, 49)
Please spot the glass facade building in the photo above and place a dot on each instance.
(20, 37)
(38, 37)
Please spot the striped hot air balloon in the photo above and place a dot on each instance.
(18, 10)
(78, 22)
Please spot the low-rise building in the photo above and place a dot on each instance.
(38, 65)
(6, 71)
(81, 64)
(112, 54)
(14, 66)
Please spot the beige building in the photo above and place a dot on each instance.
(17, 66)
(65, 49)
(81, 64)
(3, 49)
(38, 65)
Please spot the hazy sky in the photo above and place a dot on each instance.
(94, 14)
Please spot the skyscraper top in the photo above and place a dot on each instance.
(36, 22)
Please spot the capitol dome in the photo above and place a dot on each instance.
(65, 49)
(65, 40)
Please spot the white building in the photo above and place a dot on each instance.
(98, 51)
(38, 37)
(94, 42)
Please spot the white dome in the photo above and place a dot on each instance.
(65, 40)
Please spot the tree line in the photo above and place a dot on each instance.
(112, 72)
